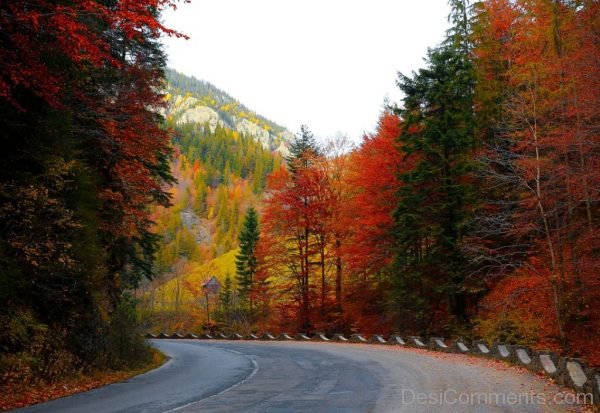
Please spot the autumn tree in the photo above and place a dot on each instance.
(542, 154)
(337, 166)
(83, 157)
(364, 183)
(290, 222)
(373, 183)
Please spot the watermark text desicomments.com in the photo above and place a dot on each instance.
(454, 397)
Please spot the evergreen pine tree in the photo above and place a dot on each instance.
(302, 150)
(226, 295)
(245, 261)
(436, 199)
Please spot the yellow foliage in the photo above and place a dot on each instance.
(195, 275)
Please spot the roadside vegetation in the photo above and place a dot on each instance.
(84, 157)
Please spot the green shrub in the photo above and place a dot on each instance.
(125, 346)
(507, 328)
(32, 352)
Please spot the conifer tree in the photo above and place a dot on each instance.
(436, 198)
(245, 261)
(226, 294)
(302, 150)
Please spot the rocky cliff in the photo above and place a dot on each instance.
(195, 101)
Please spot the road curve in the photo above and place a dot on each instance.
(235, 376)
(192, 373)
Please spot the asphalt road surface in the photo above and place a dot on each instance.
(277, 377)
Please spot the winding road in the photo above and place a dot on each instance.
(234, 376)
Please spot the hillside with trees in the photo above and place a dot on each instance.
(220, 170)
(197, 101)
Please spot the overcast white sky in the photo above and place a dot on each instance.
(328, 64)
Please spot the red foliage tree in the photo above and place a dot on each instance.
(373, 181)
(546, 154)
(80, 96)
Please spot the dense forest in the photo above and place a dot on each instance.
(472, 210)
(83, 158)
(218, 174)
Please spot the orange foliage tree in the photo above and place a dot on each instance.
(539, 62)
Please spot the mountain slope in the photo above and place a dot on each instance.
(196, 101)
(223, 153)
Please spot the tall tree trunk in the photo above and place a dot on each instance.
(323, 284)
(338, 274)
(555, 284)
(306, 275)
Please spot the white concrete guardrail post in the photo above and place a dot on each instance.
(481, 348)
(524, 356)
(284, 337)
(547, 362)
(339, 338)
(397, 340)
(358, 338)
(320, 337)
(503, 351)
(377, 339)
(571, 372)
(460, 346)
(267, 336)
(416, 342)
(438, 344)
